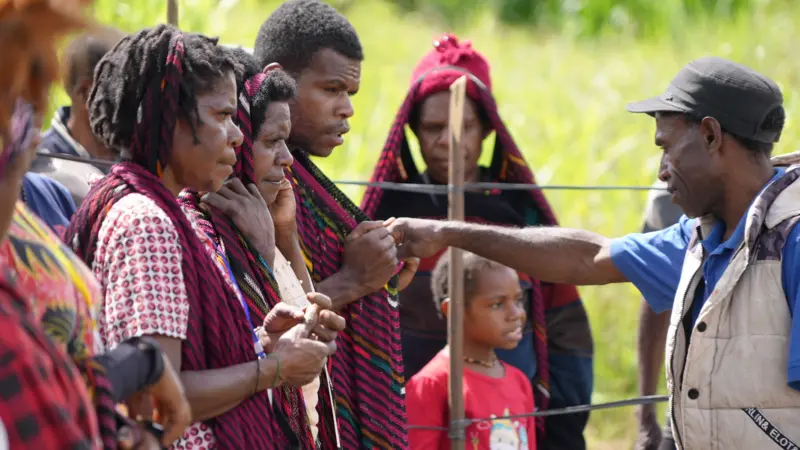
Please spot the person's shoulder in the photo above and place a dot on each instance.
(137, 212)
(429, 383)
(435, 371)
(47, 184)
(517, 376)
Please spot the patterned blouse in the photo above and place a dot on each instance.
(138, 265)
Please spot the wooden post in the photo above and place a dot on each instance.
(455, 211)
(172, 12)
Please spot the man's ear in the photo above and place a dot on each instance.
(81, 92)
(711, 132)
(445, 307)
(271, 66)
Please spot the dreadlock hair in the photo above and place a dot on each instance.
(256, 281)
(123, 75)
(298, 29)
(473, 265)
(84, 53)
(141, 87)
(774, 121)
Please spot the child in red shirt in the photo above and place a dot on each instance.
(493, 318)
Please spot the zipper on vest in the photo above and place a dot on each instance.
(676, 435)
(678, 380)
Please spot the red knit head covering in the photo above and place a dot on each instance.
(448, 61)
(436, 71)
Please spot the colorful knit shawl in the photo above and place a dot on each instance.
(255, 279)
(367, 368)
(218, 334)
(21, 134)
(508, 165)
(50, 397)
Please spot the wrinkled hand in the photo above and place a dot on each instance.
(172, 409)
(302, 358)
(420, 238)
(284, 317)
(284, 211)
(649, 437)
(249, 212)
(370, 257)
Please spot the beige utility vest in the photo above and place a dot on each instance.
(726, 373)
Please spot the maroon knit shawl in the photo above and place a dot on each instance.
(367, 369)
(508, 166)
(218, 334)
(255, 279)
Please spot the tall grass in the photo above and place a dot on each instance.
(564, 101)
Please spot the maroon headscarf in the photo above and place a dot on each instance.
(218, 334)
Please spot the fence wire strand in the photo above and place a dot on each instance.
(444, 189)
(644, 400)
(417, 188)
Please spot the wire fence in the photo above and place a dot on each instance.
(419, 188)
(444, 189)
(644, 400)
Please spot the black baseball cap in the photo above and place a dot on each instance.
(738, 97)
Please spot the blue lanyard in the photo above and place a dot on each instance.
(256, 342)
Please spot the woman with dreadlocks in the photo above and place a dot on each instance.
(556, 350)
(238, 213)
(47, 294)
(166, 100)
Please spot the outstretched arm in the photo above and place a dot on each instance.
(556, 255)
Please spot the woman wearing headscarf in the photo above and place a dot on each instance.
(166, 100)
(556, 350)
(237, 214)
(46, 294)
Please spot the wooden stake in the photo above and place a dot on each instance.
(455, 211)
(172, 12)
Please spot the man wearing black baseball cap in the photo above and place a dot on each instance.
(729, 269)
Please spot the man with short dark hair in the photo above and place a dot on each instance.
(70, 132)
(731, 273)
(351, 259)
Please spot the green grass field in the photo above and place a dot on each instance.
(564, 101)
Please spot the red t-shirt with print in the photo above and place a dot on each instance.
(484, 397)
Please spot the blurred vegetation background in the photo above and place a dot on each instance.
(562, 71)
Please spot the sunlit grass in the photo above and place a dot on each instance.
(564, 101)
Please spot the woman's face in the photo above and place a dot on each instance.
(204, 164)
(11, 178)
(270, 153)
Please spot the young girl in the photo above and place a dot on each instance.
(493, 318)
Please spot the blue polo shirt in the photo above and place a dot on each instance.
(49, 200)
(653, 262)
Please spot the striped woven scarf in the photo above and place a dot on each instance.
(253, 275)
(218, 334)
(395, 164)
(368, 365)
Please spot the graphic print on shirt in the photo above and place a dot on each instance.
(504, 434)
